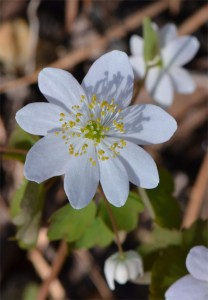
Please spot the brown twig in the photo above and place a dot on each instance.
(195, 21)
(13, 150)
(174, 6)
(43, 269)
(55, 269)
(86, 260)
(195, 203)
(33, 35)
(71, 11)
(78, 55)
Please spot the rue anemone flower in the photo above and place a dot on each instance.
(195, 285)
(90, 134)
(119, 268)
(164, 74)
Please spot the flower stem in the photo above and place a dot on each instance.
(114, 226)
(147, 203)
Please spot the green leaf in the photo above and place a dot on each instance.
(20, 139)
(197, 234)
(26, 210)
(169, 267)
(151, 43)
(70, 224)
(126, 216)
(170, 264)
(166, 207)
(98, 234)
(30, 292)
(159, 239)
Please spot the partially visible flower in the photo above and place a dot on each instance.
(165, 73)
(123, 268)
(195, 285)
(89, 133)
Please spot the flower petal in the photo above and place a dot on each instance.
(197, 263)
(138, 65)
(114, 180)
(110, 76)
(109, 270)
(166, 34)
(134, 264)
(147, 124)
(121, 272)
(47, 158)
(160, 87)
(180, 51)
(39, 118)
(182, 81)
(81, 179)
(140, 166)
(136, 45)
(60, 87)
(187, 288)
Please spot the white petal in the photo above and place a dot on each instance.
(182, 81)
(136, 45)
(159, 85)
(166, 34)
(138, 65)
(147, 124)
(60, 87)
(109, 270)
(114, 180)
(197, 263)
(121, 272)
(110, 76)
(134, 265)
(180, 51)
(81, 178)
(188, 288)
(39, 118)
(140, 166)
(47, 158)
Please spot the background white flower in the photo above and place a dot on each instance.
(195, 285)
(90, 135)
(122, 269)
(166, 73)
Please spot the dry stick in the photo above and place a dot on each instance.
(13, 151)
(195, 21)
(43, 269)
(55, 269)
(195, 203)
(33, 34)
(71, 11)
(174, 6)
(86, 259)
(78, 55)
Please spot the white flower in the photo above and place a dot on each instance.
(90, 135)
(167, 74)
(195, 285)
(123, 268)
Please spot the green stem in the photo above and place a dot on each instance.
(115, 227)
(147, 203)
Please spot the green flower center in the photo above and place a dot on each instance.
(94, 130)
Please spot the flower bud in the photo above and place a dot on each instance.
(122, 268)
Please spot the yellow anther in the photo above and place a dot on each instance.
(62, 115)
(94, 98)
(72, 124)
